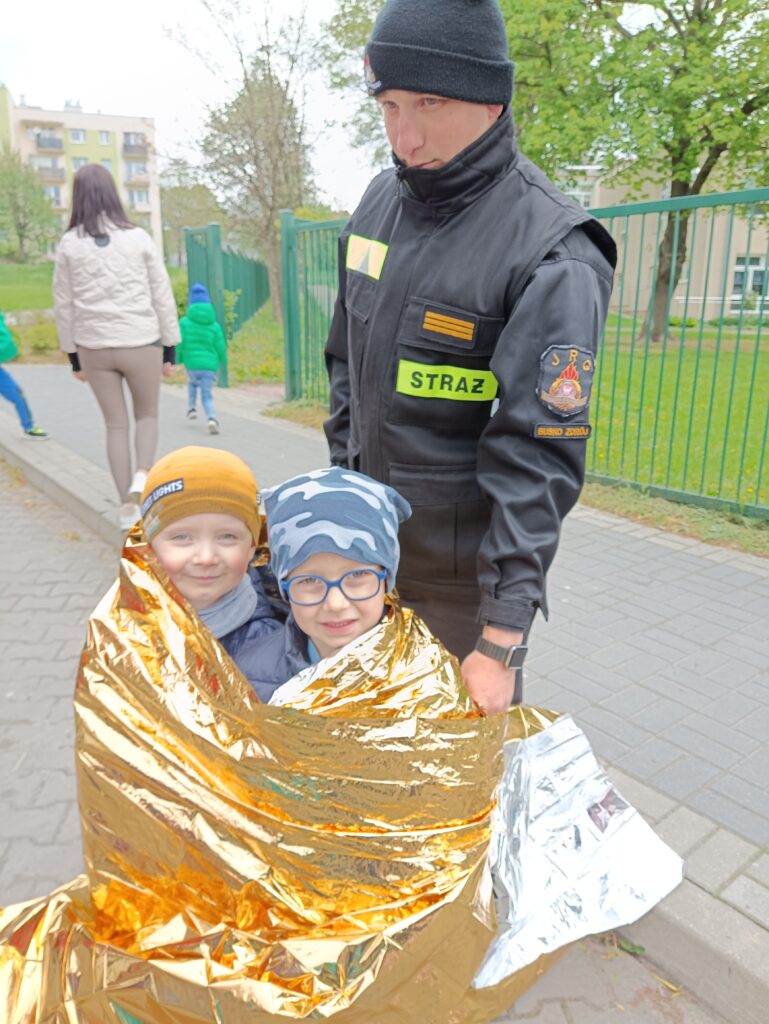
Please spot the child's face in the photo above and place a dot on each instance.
(337, 620)
(205, 555)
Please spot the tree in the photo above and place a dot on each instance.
(255, 148)
(185, 202)
(26, 215)
(670, 92)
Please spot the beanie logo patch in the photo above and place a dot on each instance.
(372, 83)
(172, 487)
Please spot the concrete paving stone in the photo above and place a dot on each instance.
(755, 689)
(750, 897)
(755, 767)
(755, 724)
(631, 702)
(569, 679)
(718, 859)
(641, 666)
(660, 713)
(755, 798)
(648, 801)
(671, 689)
(684, 829)
(731, 815)
(684, 776)
(605, 746)
(560, 699)
(759, 870)
(737, 672)
(704, 662)
(734, 710)
(646, 760)
(668, 649)
(36, 868)
(701, 746)
(629, 733)
(727, 735)
(41, 822)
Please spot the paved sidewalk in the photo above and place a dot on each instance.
(656, 644)
(50, 583)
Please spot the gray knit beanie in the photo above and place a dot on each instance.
(452, 48)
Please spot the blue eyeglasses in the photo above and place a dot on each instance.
(356, 585)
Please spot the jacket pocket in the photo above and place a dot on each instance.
(450, 516)
(441, 376)
(359, 301)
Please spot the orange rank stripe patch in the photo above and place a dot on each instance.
(454, 327)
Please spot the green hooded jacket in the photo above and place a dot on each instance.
(8, 348)
(203, 346)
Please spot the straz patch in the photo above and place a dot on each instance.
(562, 431)
(421, 380)
(451, 326)
(172, 487)
(366, 255)
(565, 379)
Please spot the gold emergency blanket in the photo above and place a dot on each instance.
(249, 863)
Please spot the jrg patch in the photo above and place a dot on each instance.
(422, 380)
(565, 379)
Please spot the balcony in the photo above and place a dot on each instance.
(135, 149)
(138, 181)
(49, 143)
(51, 173)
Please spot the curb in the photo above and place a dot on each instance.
(710, 948)
(696, 938)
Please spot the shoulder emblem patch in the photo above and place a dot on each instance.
(565, 379)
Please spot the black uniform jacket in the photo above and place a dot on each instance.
(461, 357)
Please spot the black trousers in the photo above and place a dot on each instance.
(451, 612)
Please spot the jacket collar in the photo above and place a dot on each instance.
(470, 173)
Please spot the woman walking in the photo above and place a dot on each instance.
(116, 319)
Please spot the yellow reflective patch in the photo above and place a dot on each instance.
(451, 325)
(455, 382)
(366, 255)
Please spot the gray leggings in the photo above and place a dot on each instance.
(105, 370)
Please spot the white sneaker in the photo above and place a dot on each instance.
(130, 513)
(213, 426)
(137, 484)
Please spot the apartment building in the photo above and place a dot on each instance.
(58, 142)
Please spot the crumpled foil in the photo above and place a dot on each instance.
(246, 863)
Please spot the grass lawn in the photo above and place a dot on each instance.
(691, 415)
(256, 351)
(25, 286)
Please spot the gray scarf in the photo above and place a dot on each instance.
(231, 609)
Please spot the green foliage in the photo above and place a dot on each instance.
(37, 341)
(230, 314)
(26, 216)
(25, 286)
(180, 288)
(186, 202)
(678, 321)
(255, 353)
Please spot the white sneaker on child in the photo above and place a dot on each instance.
(130, 513)
(213, 426)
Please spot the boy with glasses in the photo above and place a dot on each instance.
(333, 537)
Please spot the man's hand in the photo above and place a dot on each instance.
(488, 682)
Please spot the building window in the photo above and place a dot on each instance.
(135, 169)
(750, 280)
(107, 164)
(78, 162)
(133, 138)
(46, 162)
(138, 197)
(104, 138)
(54, 194)
(77, 135)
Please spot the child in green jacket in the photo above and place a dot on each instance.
(202, 351)
(10, 389)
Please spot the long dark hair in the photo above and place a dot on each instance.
(94, 200)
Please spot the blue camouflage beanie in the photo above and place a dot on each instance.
(334, 510)
(199, 293)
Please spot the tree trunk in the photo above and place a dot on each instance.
(669, 267)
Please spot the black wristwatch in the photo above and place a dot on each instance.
(511, 657)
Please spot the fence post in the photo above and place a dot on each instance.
(289, 262)
(215, 269)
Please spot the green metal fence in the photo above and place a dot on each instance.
(681, 403)
(238, 286)
(309, 275)
(683, 411)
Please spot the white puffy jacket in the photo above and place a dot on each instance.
(112, 296)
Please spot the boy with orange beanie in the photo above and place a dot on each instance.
(201, 517)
